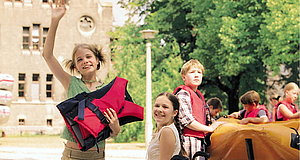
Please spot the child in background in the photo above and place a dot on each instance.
(286, 109)
(252, 112)
(192, 109)
(273, 101)
(165, 142)
(213, 107)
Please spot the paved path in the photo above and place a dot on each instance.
(22, 153)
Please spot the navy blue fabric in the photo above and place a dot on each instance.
(81, 106)
(75, 106)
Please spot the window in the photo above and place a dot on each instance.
(49, 79)
(36, 36)
(19, 3)
(86, 25)
(8, 3)
(26, 37)
(49, 122)
(21, 121)
(21, 88)
(35, 77)
(45, 32)
(21, 76)
(47, 3)
(35, 87)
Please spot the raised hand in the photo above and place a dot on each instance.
(58, 9)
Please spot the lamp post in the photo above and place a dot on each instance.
(148, 34)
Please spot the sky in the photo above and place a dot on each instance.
(119, 13)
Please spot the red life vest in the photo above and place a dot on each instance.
(289, 106)
(198, 110)
(84, 117)
(254, 113)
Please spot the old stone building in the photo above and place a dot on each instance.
(23, 28)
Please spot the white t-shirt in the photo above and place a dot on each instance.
(153, 148)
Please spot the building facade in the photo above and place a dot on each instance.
(23, 29)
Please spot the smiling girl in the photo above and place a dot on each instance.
(165, 142)
(86, 60)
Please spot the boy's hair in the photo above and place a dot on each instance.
(189, 64)
(291, 86)
(97, 51)
(250, 97)
(215, 102)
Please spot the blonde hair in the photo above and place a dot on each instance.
(291, 86)
(97, 51)
(189, 64)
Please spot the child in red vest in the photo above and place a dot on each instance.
(252, 112)
(286, 109)
(192, 116)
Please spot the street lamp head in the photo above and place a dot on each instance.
(148, 34)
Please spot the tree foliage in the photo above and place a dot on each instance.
(234, 40)
(227, 43)
(129, 62)
(280, 36)
(239, 43)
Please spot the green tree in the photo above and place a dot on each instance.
(227, 43)
(280, 36)
(129, 62)
(223, 35)
(239, 42)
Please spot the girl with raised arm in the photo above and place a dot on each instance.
(86, 60)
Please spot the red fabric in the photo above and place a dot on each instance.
(198, 103)
(289, 106)
(254, 113)
(115, 99)
(129, 110)
(88, 129)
